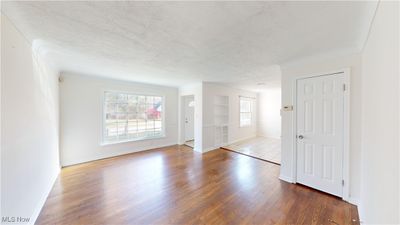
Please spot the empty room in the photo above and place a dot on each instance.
(200, 112)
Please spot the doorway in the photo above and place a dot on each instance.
(266, 145)
(188, 105)
(321, 131)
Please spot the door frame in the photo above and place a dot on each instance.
(185, 98)
(346, 128)
(181, 119)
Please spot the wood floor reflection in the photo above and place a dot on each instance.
(175, 185)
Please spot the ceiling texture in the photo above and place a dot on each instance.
(240, 44)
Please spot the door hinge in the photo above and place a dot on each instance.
(344, 87)
(342, 182)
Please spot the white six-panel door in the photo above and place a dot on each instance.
(189, 118)
(320, 129)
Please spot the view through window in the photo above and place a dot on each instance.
(130, 117)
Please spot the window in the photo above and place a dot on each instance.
(245, 111)
(130, 117)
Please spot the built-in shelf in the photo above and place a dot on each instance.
(221, 120)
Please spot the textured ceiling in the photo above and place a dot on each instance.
(176, 43)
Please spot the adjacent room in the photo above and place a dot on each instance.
(200, 112)
(267, 110)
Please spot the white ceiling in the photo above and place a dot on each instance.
(177, 43)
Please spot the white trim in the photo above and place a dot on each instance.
(361, 215)
(286, 178)
(134, 140)
(294, 132)
(354, 201)
(346, 136)
(181, 118)
(43, 198)
(91, 158)
(197, 150)
(252, 103)
(346, 129)
(210, 149)
(103, 115)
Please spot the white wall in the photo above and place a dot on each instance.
(29, 115)
(1, 71)
(316, 66)
(236, 133)
(81, 118)
(197, 91)
(269, 117)
(380, 119)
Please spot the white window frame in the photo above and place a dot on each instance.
(103, 118)
(251, 111)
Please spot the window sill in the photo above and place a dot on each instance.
(132, 140)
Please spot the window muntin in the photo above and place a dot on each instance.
(131, 117)
(246, 105)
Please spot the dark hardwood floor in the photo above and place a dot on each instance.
(175, 185)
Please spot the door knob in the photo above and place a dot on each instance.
(301, 136)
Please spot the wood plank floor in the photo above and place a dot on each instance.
(175, 185)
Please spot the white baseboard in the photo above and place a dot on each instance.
(197, 150)
(354, 201)
(286, 178)
(209, 149)
(360, 211)
(94, 158)
(43, 198)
